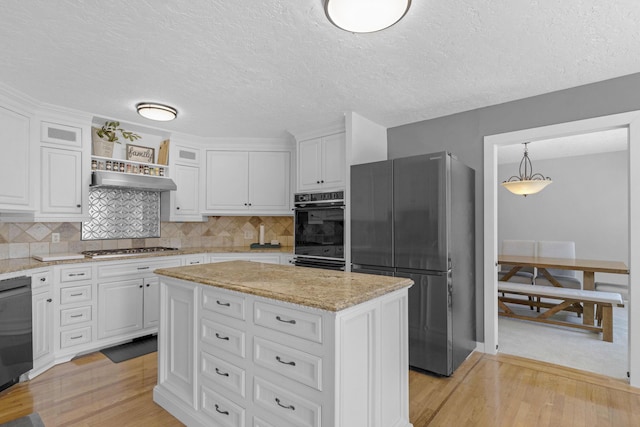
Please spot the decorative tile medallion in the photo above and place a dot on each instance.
(122, 214)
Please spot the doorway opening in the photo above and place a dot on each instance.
(630, 121)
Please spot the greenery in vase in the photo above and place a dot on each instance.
(110, 129)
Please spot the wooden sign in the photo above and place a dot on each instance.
(136, 153)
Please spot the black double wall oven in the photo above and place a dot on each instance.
(319, 230)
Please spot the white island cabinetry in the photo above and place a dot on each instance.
(237, 359)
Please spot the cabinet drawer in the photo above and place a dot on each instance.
(75, 294)
(223, 411)
(223, 373)
(74, 274)
(41, 279)
(223, 303)
(286, 404)
(223, 337)
(71, 316)
(288, 320)
(194, 260)
(295, 364)
(75, 337)
(136, 268)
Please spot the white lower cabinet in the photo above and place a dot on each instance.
(131, 305)
(264, 363)
(42, 316)
(75, 309)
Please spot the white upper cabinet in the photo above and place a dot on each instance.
(183, 204)
(15, 161)
(64, 172)
(241, 182)
(61, 188)
(321, 163)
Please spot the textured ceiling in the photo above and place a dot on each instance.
(262, 68)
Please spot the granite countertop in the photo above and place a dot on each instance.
(22, 264)
(311, 287)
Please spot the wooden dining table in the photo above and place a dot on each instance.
(588, 267)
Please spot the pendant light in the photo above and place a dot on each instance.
(526, 182)
(159, 112)
(365, 16)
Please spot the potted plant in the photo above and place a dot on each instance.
(103, 138)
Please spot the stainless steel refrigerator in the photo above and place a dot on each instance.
(415, 217)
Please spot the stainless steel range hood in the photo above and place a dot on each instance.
(110, 179)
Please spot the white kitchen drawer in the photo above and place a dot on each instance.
(295, 364)
(286, 404)
(75, 337)
(41, 279)
(145, 267)
(289, 320)
(222, 411)
(194, 259)
(223, 303)
(75, 294)
(223, 337)
(74, 274)
(71, 316)
(223, 373)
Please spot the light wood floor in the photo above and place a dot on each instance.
(485, 391)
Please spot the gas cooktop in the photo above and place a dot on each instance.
(112, 253)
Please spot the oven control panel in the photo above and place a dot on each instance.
(312, 198)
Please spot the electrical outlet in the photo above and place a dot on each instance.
(55, 237)
(248, 234)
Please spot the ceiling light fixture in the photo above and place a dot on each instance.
(526, 182)
(365, 16)
(159, 112)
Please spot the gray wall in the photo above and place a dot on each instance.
(463, 134)
(587, 203)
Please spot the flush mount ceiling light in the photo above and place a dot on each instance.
(526, 182)
(159, 112)
(365, 16)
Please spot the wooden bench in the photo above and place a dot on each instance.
(569, 298)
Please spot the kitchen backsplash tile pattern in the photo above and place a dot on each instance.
(20, 240)
(120, 213)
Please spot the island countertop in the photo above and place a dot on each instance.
(311, 287)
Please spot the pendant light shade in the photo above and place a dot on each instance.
(526, 182)
(159, 112)
(365, 16)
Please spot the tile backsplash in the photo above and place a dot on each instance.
(24, 239)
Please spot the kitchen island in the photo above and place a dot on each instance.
(263, 345)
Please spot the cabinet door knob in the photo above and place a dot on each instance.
(148, 285)
(246, 204)
(49, 300)
(78, 206)
(178, 207)
(42, 279)
(317, 182)
(249, 204)
(140, 286)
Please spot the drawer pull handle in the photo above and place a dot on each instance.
(293, 322)
(285, 406)
(226, 304)
(224, 374)
(76, 274)
(221, 412)
(77, 295)
(143, 268)
(194, 262)
(76, 338)
(221, 337)
(43, 279)
(285, 363)
(76, 315)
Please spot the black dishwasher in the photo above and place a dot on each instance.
(16, 346)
